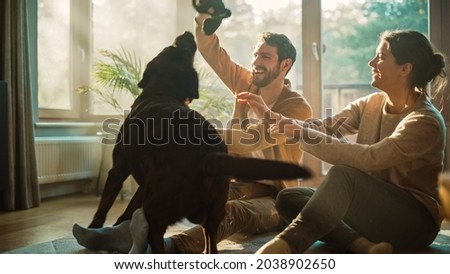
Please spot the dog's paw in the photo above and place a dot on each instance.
(96, 223)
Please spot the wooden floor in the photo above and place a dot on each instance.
(52, 220)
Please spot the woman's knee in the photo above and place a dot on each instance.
(290, 201)
(343, 176)
(340, 170)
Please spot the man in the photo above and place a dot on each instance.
(251, 205)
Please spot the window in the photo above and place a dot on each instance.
(334, 39)
(350, 32)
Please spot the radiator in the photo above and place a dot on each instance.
(62, 159)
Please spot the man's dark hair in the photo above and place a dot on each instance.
(285, 47)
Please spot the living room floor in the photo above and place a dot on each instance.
(54, 220)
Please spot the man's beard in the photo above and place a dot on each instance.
(269, 76)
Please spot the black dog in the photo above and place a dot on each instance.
(170, 75)
(175, 155)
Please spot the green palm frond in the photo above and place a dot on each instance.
(122, 73)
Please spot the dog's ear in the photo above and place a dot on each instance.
(154, 67)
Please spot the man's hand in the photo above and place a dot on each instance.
(255, 102)
(201, 17)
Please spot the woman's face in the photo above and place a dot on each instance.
(385, 70)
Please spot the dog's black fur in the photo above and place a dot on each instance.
(175, 155)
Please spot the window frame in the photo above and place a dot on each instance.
(312, 75)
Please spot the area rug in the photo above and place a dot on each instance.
(238, 244)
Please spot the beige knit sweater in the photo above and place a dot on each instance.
(242, 137)
(404, 149)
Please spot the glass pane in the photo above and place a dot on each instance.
(238, 36)
(138, 27)
(53, 54)
(350, 31)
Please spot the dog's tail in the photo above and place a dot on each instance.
(252, 168)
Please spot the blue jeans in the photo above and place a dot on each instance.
(349, 204)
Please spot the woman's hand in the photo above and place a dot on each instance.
(290, 127)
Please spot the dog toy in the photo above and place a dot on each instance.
(216, 9)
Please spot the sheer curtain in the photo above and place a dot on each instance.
(20, 189)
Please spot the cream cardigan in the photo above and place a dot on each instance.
(404, 149)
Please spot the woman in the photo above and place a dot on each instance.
(381, 193)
